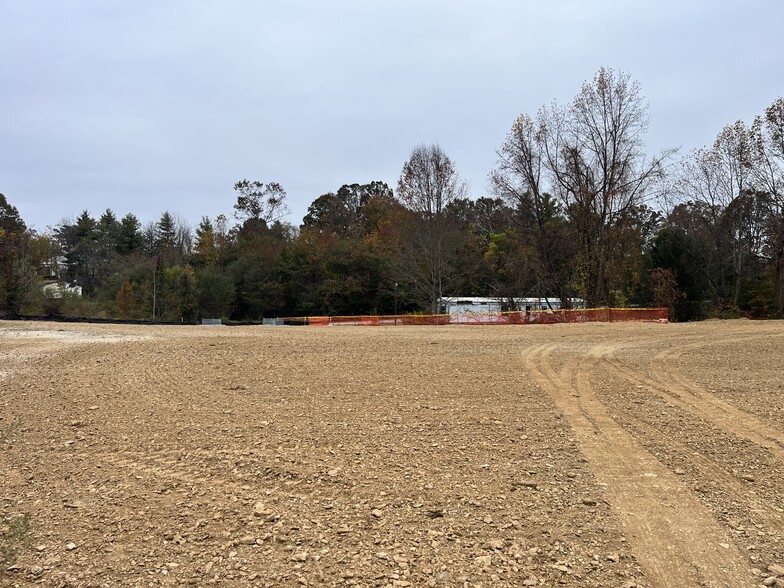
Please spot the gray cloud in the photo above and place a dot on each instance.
(151, 106)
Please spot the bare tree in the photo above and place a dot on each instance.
(721, 180)
(520, 177)
(590, 155)
(594, 150)
(768, 156)
(428, 183)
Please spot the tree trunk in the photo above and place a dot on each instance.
(778, 283)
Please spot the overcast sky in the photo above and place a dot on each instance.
(150, 105)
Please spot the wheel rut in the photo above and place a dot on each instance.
(675, 538)
(740, 491)
(675, 388)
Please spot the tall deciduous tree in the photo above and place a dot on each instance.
(428, 183)
(540, 230)
(593, 151)
(258, 201)
(768, 156)
(720, 180)
(338, 262)
(342, 213)
(590, 156)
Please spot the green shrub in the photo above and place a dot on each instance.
(14, 533)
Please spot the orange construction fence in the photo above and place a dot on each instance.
(521, 317)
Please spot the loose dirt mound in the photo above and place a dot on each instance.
(578, 455)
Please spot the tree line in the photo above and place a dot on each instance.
(576, 209)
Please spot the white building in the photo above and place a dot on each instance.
(60, 290)
(478, 309)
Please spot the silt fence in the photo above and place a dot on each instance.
(535, 317)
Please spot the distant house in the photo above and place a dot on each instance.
(52, 268)
(60, 290)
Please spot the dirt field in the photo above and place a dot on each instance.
(581, 455)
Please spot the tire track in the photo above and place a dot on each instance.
(698, 401)
(708, 469)
(675, 539)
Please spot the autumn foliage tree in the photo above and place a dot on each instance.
(664, 289)
(260, 202)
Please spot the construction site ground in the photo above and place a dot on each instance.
(612, 455)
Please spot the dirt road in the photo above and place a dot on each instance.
(580, 455)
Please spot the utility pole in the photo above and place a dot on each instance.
(395, 296)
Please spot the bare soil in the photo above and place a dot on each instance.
(618, 455)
